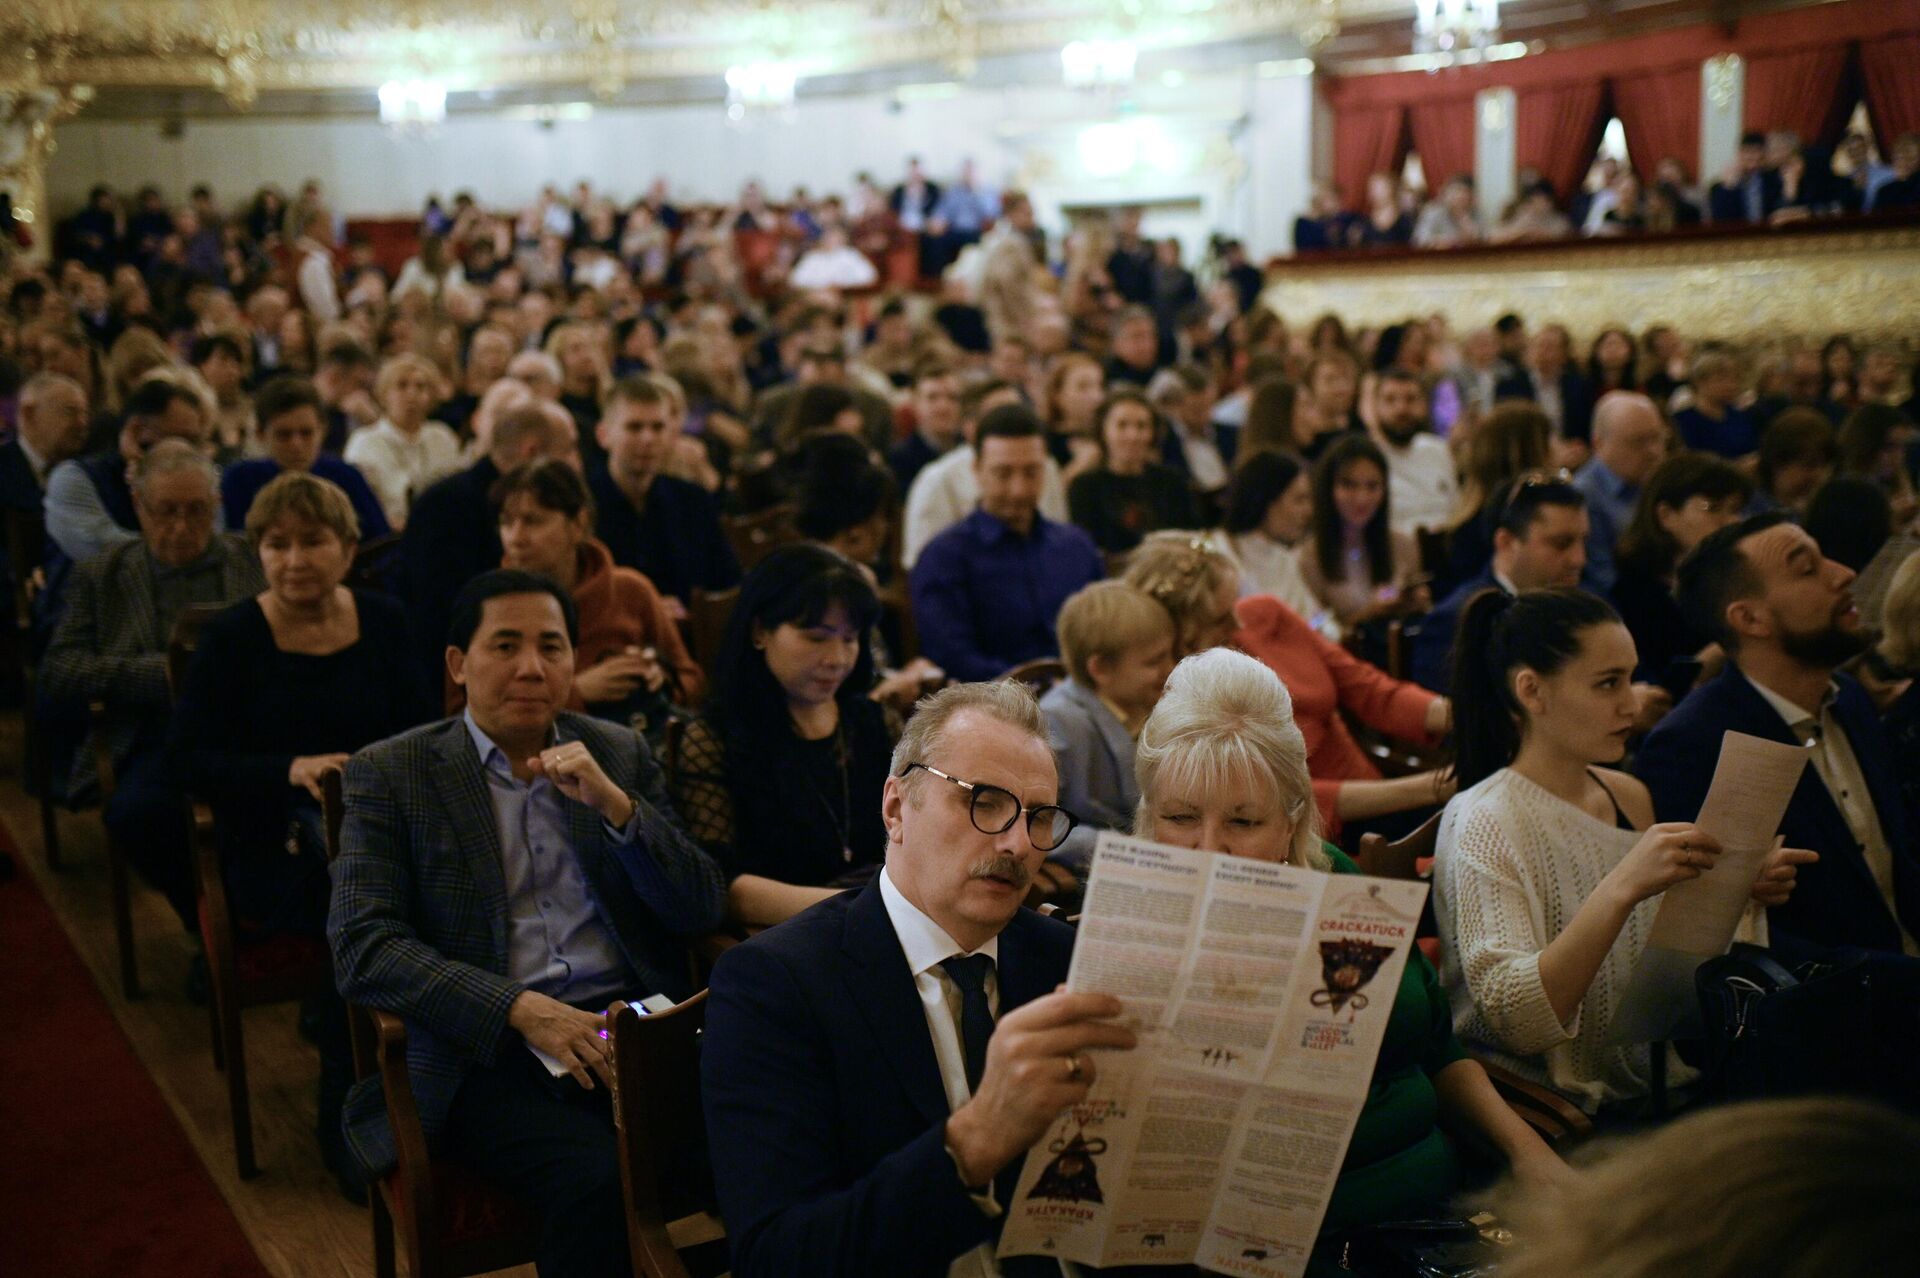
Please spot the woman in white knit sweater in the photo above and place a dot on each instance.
(1549, 869)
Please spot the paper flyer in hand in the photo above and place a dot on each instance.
(1753, 782)
(1261, 994)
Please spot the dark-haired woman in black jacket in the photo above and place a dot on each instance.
(780, 777)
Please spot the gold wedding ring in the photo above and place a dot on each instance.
(1073, 1068)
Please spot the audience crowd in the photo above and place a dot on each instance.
(608, 551)
(1774, 180)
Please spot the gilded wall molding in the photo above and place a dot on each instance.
(244, 48)
(1749, 289)
(28, 115)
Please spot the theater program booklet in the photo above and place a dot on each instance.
(1261, 994)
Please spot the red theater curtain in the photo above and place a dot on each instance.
(1557, 129)
(1443, 135)
(1366, 140)
(1660, 113)
(1891, 70)
(1803, 90)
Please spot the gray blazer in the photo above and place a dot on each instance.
(1095, 756)
(109, 646)
(418, 918)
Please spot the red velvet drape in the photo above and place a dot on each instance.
(1367, 140)
(1800, 90)
(1802, 74)
(1890, 71)
(1443, 135)
(1557, 129)
(1660, 113)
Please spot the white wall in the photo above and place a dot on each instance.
(1281, 140)
(1029, 134)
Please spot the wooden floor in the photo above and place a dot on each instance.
(292, 1214)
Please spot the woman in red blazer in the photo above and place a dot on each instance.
(1201, 587)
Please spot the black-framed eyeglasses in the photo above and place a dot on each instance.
(994, 810)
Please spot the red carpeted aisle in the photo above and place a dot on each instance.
(96, 1176)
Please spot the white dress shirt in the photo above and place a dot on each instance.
(843, 267)
(1421, 488)
(1547, 398)
(1839, 770)
(1204, 463)
(319, 292)
(926, 945)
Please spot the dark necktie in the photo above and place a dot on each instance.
(976, 1017)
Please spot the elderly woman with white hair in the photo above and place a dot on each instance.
(1199, 586)
(1223, 768)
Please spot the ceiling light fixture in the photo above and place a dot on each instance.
(760, 87)
(1451, 26)
(1098, 64)
(413, 104)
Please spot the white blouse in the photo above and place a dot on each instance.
(1269, 567)
(398, 467)
(1512, 866)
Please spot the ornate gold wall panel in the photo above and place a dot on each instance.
(245, 48)
(1747, 289)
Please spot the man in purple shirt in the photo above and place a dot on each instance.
(986, 591)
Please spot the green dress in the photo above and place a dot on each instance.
(1399, 1158)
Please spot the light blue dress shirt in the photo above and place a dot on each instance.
(1610, 503)
(557, 943)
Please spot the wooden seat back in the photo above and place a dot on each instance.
(755, 536)
(1039, 675)
(707, 615)
(656, 1108)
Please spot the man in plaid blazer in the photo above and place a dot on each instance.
(504, 877)
(111, 647)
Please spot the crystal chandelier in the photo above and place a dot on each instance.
(1448, 26)
(1098, 64)
(410, 105)
(760, 88)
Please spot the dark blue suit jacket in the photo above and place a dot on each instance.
(20, 489)
(1576, 399)
(242, 482)
(677, 542)
(823, 1099)
(451, 538)
(1431, 662)
(1729, 203)
(1835, 902)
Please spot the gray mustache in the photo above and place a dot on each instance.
(1010, 868)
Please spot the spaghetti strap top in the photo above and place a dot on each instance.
(1619, 816)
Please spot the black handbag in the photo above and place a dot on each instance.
(1847, 1025)
(1441, 1247)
